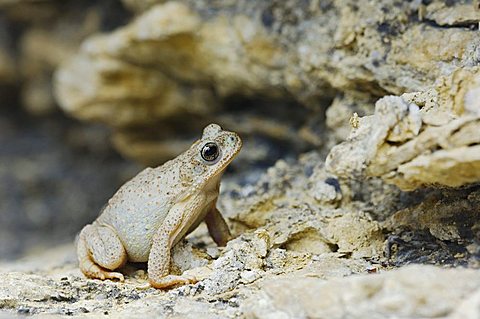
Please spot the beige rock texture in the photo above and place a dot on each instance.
(181, 60)
(418, 139)
(411, 292)
(158, 70)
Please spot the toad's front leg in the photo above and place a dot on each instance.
(178, 220)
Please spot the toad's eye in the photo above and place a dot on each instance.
(210, 152)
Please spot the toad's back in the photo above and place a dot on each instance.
(139, 207)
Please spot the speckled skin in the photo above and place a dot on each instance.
(157, 208)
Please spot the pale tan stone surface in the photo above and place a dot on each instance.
(411, 292)
(326, 287)
(462, 14)
(191, 55)
(418, 139)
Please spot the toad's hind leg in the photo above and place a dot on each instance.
(99, 251)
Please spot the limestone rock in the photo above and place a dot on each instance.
(445, 218)
(411, 292)
(242, 263)
(417, 139)
(181, 62)
(341, 110)
(158, 70)
(58, 289)
(462, 14)
(286, 203)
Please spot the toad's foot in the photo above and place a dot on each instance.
(94, 271)
(172, 280)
